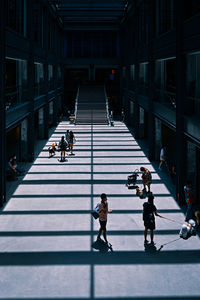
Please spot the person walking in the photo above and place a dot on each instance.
(146, 178)
(62, 146)
(189, 198)
(71, 142)
(103, 211)
(123, 115)
(149, 210)
(67, 135)
(162, 158)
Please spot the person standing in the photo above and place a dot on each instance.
(163, 157)
(123, 115)
(189, 198)
(62, 146)
(146, 178)
(103, 211)
(67, 135)
(149, 210)
(71, 142)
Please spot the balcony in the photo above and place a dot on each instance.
(15, 95)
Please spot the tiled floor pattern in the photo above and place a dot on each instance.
(46, 229)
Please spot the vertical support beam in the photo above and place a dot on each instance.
(24, 140)
(31, 131)
(180, 84)
(55, 102)
(46, 79)
(46, 107)
(2, 106)
(137, 107)
(151, 89)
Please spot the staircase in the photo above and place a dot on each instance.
(91, 105)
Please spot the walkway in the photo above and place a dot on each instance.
(47, 231)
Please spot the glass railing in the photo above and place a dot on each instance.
(15, 95)
(167, 97)
(192, 105)
(143, 89)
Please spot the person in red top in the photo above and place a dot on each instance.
(103, 211)
(146, 178)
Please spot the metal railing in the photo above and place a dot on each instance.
(15, 95)
(107, 105)
(76, 105)
(166, 97)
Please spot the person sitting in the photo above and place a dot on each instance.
(16, 166)
(11, 171)
(52, 150)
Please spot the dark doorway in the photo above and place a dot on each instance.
(13, 138)
(169, 141)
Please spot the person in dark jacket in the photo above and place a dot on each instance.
(62, 146)
(149, 213)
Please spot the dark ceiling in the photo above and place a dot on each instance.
(91, 14)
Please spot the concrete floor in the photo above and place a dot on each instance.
(47, 231)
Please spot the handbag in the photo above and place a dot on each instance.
(95, 212)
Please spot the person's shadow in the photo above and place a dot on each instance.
(98, 245)
(151, 248)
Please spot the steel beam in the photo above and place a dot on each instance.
(2, 106)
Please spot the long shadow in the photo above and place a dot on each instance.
(96, 258)
(110, 298)
(83, 233)
(81, 181)
(82, 195)
(66, 212)
(95, 164)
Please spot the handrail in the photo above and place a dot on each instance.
(107, 106)
(76, 105)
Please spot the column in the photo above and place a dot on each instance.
(24, 140)
(2, 106)
(151, 87)
(46, 79)
(136, 106)
(41, 123)
(158, 137)
(180, 94)
(31, 131)
(55, 102)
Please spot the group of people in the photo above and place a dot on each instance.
(13, 169)
(150, 211)
(66, 142)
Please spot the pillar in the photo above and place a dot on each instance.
(136, 105)
(151, 86)
(180, 94)
(31, 131)
(24, 140)
(56, 100)
(46, 79)
(41, 123)
(158, 138)
(2, 106)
